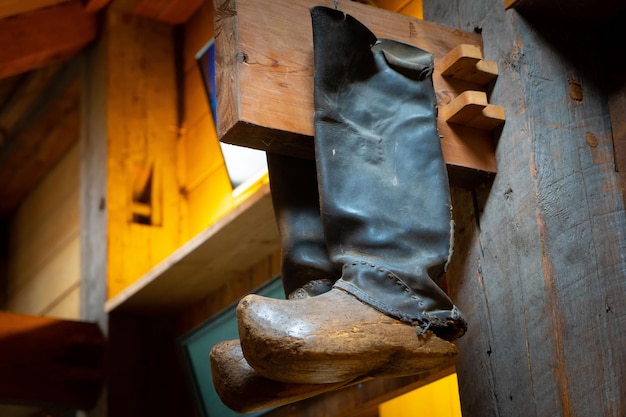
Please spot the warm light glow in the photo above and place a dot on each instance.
(437, 399)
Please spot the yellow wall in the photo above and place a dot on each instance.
(44, 261)
(208, 192)
(438, 399)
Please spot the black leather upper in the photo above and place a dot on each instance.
(383, 183)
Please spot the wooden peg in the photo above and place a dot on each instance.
(465, 62)
(471, 109)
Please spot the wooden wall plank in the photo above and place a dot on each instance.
(45, 36)
(50, 362)
(46, 221)
(44, 242)
(198, 31)
(142, 129)
(536, 279)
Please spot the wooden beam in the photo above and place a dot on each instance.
(26, 97)
(15, 7)
(42, 136)
(538, 267)
(50, 362)
(45, 36)
(92, 6)
(168, 11)
(265, 78)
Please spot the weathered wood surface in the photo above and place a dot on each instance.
(50, 362)
(540, 277)
(265, 77)
(332, 338)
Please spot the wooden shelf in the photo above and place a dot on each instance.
(243, 237)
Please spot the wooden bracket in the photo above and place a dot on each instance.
(470, 108)
(465, 62)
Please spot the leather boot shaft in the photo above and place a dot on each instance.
(306, 269)
(383, 183)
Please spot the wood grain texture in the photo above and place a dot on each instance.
(265, 85)
(141, 125)
(332, 338)
(538, 279)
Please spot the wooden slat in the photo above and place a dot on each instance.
(233, 244)
(272, 64)
(15, 7)
(45, 36)
(49, 361)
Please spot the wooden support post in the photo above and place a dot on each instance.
(140, 118)
(538, 268)
(50, 362)
(264, 71)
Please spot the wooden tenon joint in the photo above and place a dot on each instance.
(264, 77)
(471, 108)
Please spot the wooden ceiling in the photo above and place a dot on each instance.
(39, 87)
